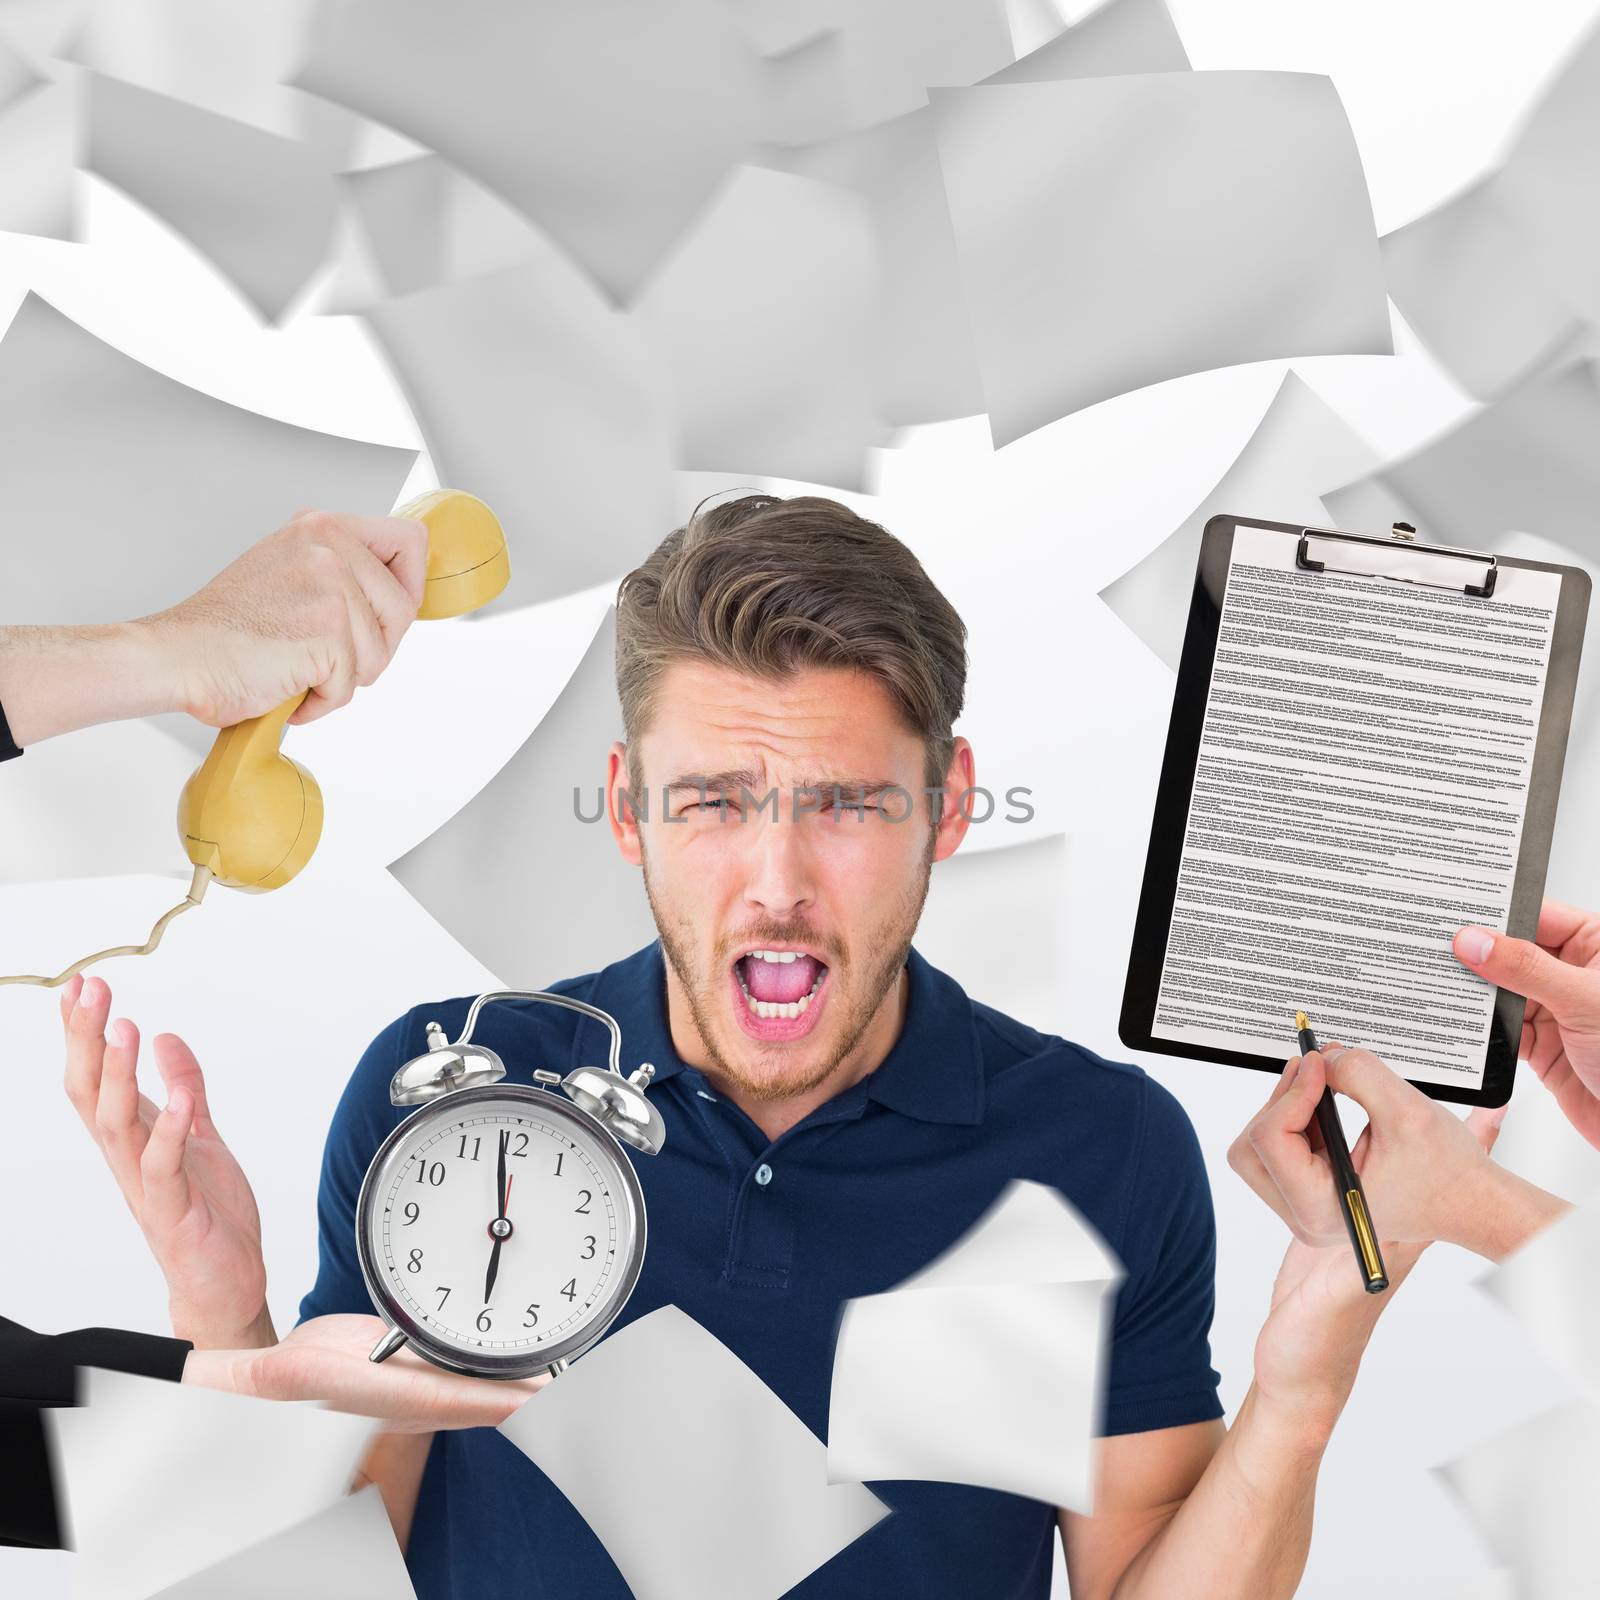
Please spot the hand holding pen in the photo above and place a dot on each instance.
(1425, 1168)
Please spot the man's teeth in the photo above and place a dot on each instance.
(771, 1008)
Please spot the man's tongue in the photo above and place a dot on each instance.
(780, 981)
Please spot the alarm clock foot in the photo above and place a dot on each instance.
(556, 1367)
(393, 1340)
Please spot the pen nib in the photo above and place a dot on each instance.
(1300, 1021)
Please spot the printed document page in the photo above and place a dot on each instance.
(1359, 795)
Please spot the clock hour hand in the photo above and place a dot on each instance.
(494, 1269)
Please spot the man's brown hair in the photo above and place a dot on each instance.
(768, 586)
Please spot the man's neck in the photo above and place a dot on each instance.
(776, 1117)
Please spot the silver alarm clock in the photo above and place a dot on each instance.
(501, 1228)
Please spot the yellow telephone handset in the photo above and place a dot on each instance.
(250, 816)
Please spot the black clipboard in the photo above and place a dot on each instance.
(1469, 572)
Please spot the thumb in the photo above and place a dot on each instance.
(1571, 994)
(1484, 1123)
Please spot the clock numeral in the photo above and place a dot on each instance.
(415, 1263)
(583, 1205)
(559, 1155)
(523, 1150)
(443, 1294)
(432, 1174)
(477, 1145)
(570, 1288)
(532, 1318)
(413, 1211)
(588, 1239)
(483, 1319)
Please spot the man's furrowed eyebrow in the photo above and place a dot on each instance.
(855, 788)
(721, 781)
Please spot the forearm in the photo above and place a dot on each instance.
(54, 679)
(1243, 1531)
(396, 1463)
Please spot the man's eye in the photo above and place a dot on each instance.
(709, 805)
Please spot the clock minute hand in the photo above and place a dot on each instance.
(503, 1190)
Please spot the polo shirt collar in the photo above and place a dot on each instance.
(933, 1072)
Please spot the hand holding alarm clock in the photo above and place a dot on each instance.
(501, 1227)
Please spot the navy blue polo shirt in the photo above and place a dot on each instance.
(761, 1241)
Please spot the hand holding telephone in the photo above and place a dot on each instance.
(250, 816)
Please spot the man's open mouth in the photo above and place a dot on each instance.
(779, 984)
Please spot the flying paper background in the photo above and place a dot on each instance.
(1027, 282)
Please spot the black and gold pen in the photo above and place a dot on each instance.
(1352, 1197)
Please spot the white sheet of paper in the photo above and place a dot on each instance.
(519, 843)
(380, 798)
(1115, 232)
(41, 26)
(1472, 281)
(1526, 461)
(424, 223)
(920, 333)
(229, 56)
(17, 75)
(1288, 896)
(763, 1513)
(1552, 175)
(530, 387)
(149, 488)
(258, 205)
(1300, 448)
(1022, 974)
(1529, 1491)
(347, 1550)
(607, 126)
(248, 1469)
(63, 819)
(1117, 37)
(38, 152)
(760, 322)
(1551, 1287)
(884, 55)
(1020, 1306)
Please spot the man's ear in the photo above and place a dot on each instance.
(959, 802)
(623, 811)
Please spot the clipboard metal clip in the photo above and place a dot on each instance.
(1403, 559)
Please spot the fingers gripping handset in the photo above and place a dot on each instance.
(250, 815)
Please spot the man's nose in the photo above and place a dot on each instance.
(780, 866)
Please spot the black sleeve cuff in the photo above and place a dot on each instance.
(8, 746)
(38, 1370)
(42, 1368)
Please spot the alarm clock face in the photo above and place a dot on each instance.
(501, 1229)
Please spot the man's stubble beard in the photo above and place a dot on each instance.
(893, 936)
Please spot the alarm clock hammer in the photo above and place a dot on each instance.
(442, 1181)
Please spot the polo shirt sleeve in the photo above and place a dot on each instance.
(360, 1124)
(1160, 1373)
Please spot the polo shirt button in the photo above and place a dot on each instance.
(763, 1174)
